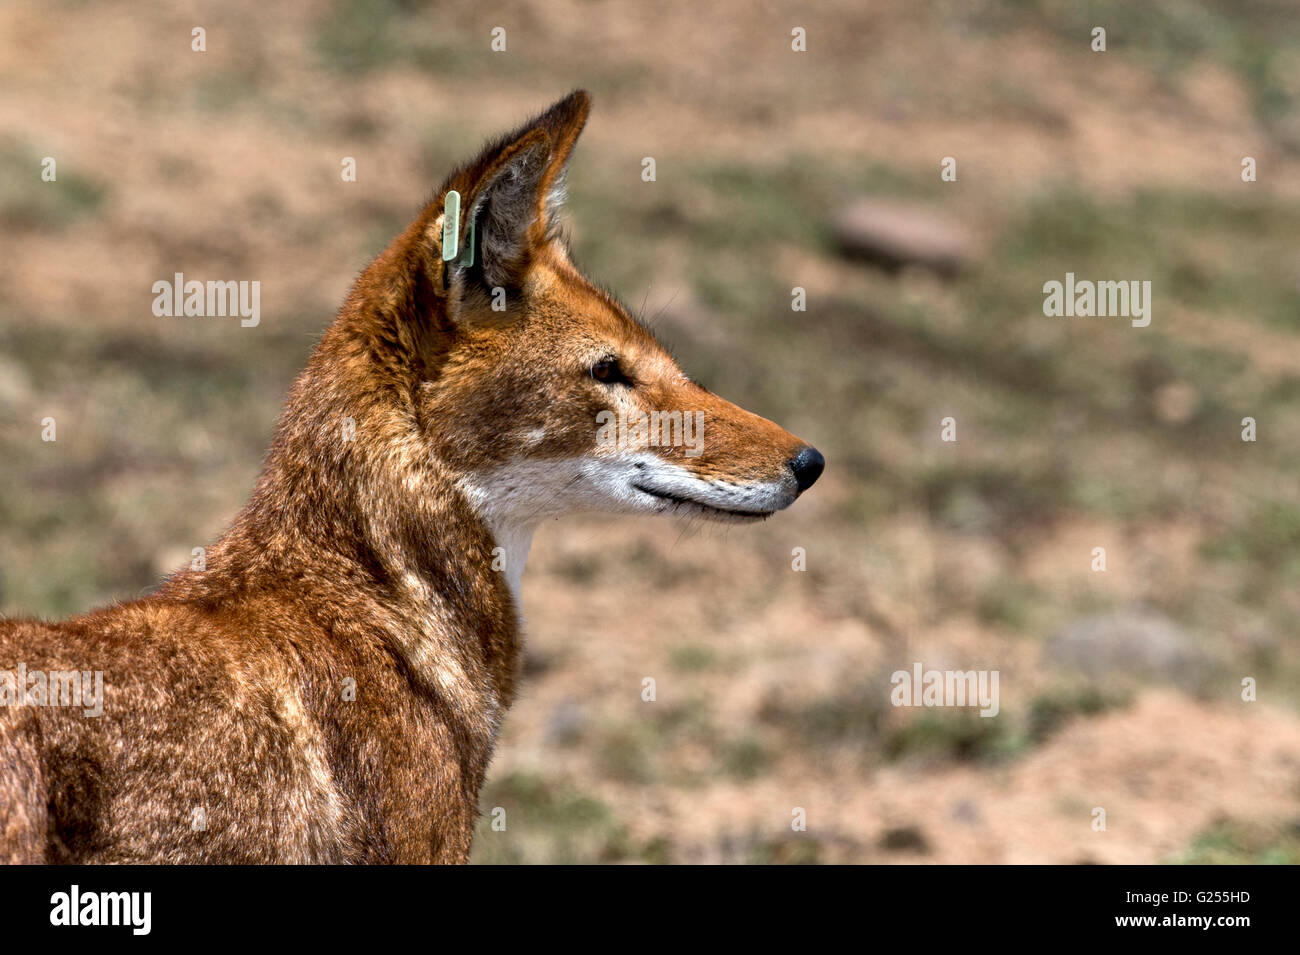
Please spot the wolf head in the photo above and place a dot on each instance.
(473, 358)
(552, 398)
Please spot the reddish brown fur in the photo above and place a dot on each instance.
(223, 691)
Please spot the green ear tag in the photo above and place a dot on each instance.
(450, 226)
(451, 233)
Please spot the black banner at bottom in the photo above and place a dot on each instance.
(139, 905)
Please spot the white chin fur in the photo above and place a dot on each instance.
(529, 491)
(514, 499)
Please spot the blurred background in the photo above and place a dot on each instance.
(775, 169)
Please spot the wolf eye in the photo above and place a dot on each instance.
(607, 372)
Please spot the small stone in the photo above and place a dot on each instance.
(1176, 403)
(904, 839)
(894, 235)
(565, 724)
(1136, 643)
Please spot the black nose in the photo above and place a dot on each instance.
(807, 466)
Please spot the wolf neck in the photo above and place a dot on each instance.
(511, 529)
(513, 539)
(382, 541)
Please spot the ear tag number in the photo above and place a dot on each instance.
(451, 233)
(450, 226)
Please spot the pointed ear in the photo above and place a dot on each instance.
(563, 123)
(511, 196)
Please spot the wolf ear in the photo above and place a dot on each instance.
(509, 199)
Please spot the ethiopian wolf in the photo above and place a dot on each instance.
(328, 689)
